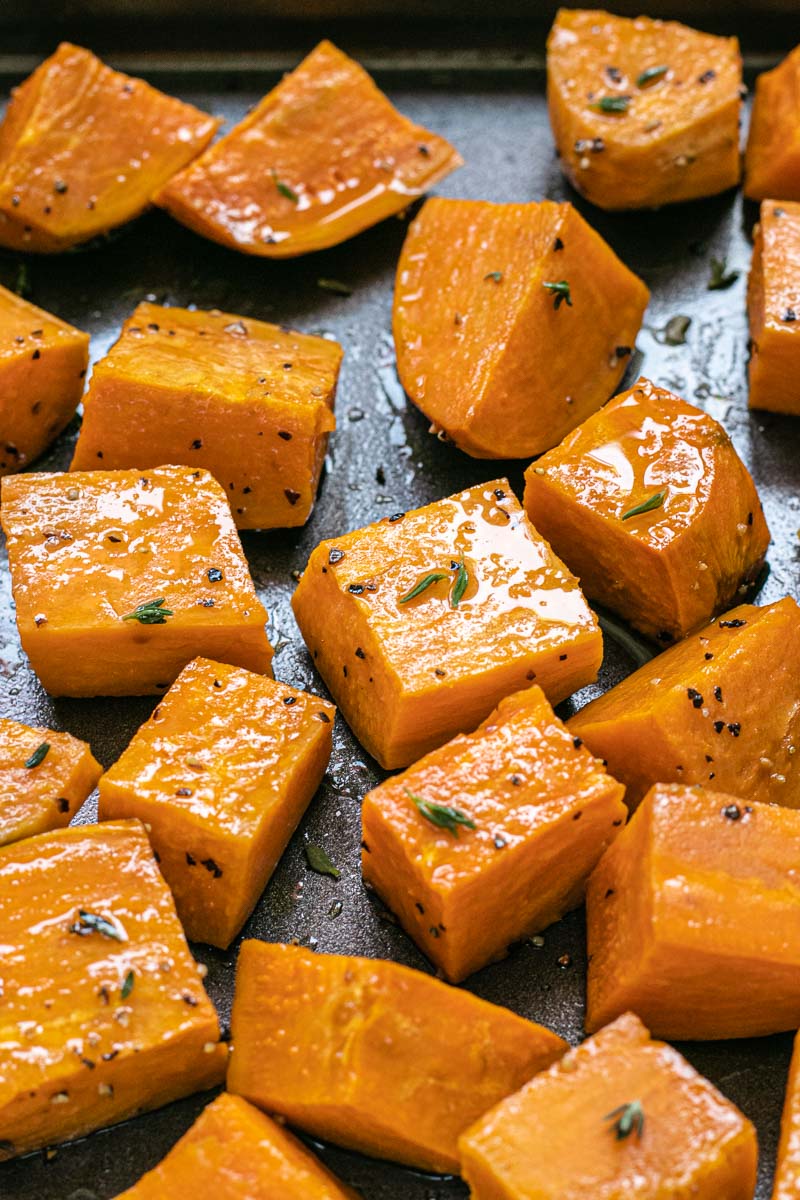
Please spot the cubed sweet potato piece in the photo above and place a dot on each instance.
(44, 779)
(421, 623)
(104, 1014)
(323, 156)
(235, 1152)
(82, 148)
(372, 1055)
(787, 1170)
(652, 508)
(250, 402)
(621, 1116)
(693, 918)
(492, 837)
(220, 775)
(773, 307)
(120, 578)
(772, 158)
(719, 708)
(644, 112)
(512, 322)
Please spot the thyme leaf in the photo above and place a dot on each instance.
(495, 275)
(335, 286)
(460, 586)
(675, 330)
(127, 985)
(89, 922)
(612, 104)
(317, 858)
(284, 188)
(441, 815)
(38, 756)
(22, 284)
(560, 291)
(152, 612)
(423, 585)
(651, 75)
(720, 277)
(654, 501)
(627, 1119)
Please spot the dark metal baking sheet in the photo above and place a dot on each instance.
(382, 459)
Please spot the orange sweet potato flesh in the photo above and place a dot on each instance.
(78, 1054)
(372, 1055)
(543, 809)
(410, 672)
(86, 549)
(235, 1152)
(249, 401)
(787, 1170)
(82, 148)
(48, 793)
(555, 1139)
(675, 97)
(496, 358)
(323, 156)
(220, 775)
(693, 918)
(699, 712)
(670, 569)
(773, 307)
(772, 157)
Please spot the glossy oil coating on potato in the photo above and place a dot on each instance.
(45, 777)
(83, 147)
(699, 535)
(120, 578)
(323, 156)
(372, 1055)
(644, 112)
(787, 1171)
(773, 307)
(512, 322)
(104, 1014)
(249, 401)
(772, 158)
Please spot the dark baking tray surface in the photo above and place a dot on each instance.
(381, 460)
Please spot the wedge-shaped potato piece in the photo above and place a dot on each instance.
(772, 158)
(372, 1055)
(421, 623)
(235, 1152)
(773, 307)
(492, 837)
(251, 402)
(787, 1171)
(651, 506)
(104, 1014)
(220, 775)
(697, 713)
(644, 112)
(120, 578)
(620, 1116)
(512, 322)
(82, 148)
(323, 156)
(693, 918)
(44, 779)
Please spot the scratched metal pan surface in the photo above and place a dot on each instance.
(383, 459)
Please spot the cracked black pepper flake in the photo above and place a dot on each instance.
(184, 791)
(718, 693)
(284, 433)
(356, 588)
(499, 842)
(289, 700)
(719, 726)
(577, 742)
(291, 495)
(734, 728)
(736, 623)
(323, 716)
(214, 575)
(360, 653)
(732, 812)
(335, 555)
(36, 354)
(695, 697)
(190, 861)
(396, 517)
(211, 867)
(558, 244)
(707, 76)
(789, 315)
(197, 444)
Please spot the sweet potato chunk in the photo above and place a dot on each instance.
(221, 774)
(693, 918)
(373, 1055)
(620, 1116)
(512, 322)
(250, 402)
(103, 1012)
(421, 623)
(644, 112)
(323, 156)
(772, 158)
(492, 837)
(699, 712)
(773, 306)
(787, 1171)
(121, 578)
(235, 1152)
(651, 506)
(44, 779)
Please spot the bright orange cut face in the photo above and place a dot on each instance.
(772, 159)
(44, 779)
(773, 306)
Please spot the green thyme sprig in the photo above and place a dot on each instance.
(38, 756)
(561, 293)
(319, 860)
(284, 189)
(651, 75)
(654, 501)
(152, 612)
(612, 104)
(627, 1119)
(441, 815)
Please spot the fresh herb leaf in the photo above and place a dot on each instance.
(720, 277)
(89, 922)
(441, 815)
(152, 612)
(675, 330)
(422, 586)
(38, 756)
(560, 291)
(284, 188)
(460, 586)
(335, 286)
(627, 1119)
(127, 985)
(651, 75)
(612, 104)
(495, 275)
(319, 861)
(654, 501)
(22, 285)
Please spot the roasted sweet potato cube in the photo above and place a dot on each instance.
(773, 307)
(652, 508)
(697, 713)
(251, 402)
(620, 1116)
(772, 158)
(492, 837)
(644, 112)
(787, 1170)
(122, 577)
(323, 156)
(82, 148)
(693, 918)
(220, 775)
(512, 322)
(372, 1055)
(421, 623)
(104, 1014)
(44, 779)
